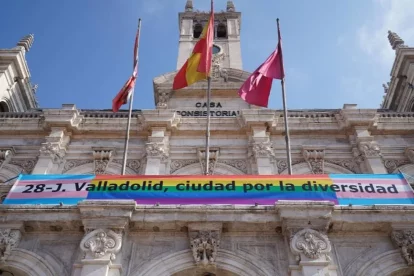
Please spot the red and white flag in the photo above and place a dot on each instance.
(125, 93)
(256, 89)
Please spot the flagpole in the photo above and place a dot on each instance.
(208, 125)
(130, 111)
(285, 115)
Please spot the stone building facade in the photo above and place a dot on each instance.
(98, 238)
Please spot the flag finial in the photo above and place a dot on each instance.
(395, 40)
(189, 6)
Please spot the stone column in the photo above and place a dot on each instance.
(105, 223)
(305, 225)
(368, 151)
(52, 151)
(157, 151)
(262, 150)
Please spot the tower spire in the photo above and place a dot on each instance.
(395, 40)
(189, 6)
(230, 6)
(26, 42)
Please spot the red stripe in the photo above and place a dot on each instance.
(180, 80)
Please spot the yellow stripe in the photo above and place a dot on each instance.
(191, 73)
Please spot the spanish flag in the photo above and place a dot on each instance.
(198, 65)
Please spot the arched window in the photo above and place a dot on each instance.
(198, 29)
(221, 30)
(4, 107)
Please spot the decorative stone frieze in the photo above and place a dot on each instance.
(315, 159)
(239, 164)
(101, 243)
(70, 164)
(178, 164)
(263, 149)
(9, 239)
(405, 240)
(204, 246)
(133, 164)
(282, 164)
(310, 243)
(392, 164)
(349, 164)
(27, 165)
(157, 150)
(369, 149)
(102, 157)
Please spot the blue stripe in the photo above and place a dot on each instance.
(378, 201)
(40, 201)
(56, 176)
(276, 195)
(366, 176)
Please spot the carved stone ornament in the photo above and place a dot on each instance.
(239, 164)
(70, 164)
(9, 239)
(163, 98)
(213, 157)
(4, 155)
(409, 153)
(178, 164)
(134, 165)
(102, 158)
(392, 165)
(369, 149)
(310, 243)
(217, 70)
(405, 240)
(349, 164)
(27, 165)
(282, 164)
(53, 150)
(204, 245)
(100, 243)
(157, 150)
(263, 149)
(315, 159)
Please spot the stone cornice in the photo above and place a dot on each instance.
(161, 118)
(289, 214)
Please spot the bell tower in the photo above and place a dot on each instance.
(399, 92)
(17, 94)
(226, 49)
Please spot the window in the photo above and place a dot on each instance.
(198, 29)
(221, 30)
(4, 107)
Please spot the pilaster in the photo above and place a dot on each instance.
(105, 224)
(305, 225)
(60, 122)
(157, 150)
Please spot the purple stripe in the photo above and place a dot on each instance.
(180, 201)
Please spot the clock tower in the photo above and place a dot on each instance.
(226, 48)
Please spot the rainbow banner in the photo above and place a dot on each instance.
(342, 189)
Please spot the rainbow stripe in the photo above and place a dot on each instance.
(341, 189)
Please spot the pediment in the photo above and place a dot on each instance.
(228, 82)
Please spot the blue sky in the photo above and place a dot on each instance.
(335, 52)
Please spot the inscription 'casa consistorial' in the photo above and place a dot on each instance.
(213, 113)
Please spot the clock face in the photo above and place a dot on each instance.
(216, 49)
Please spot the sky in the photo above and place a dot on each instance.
(335, 52)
